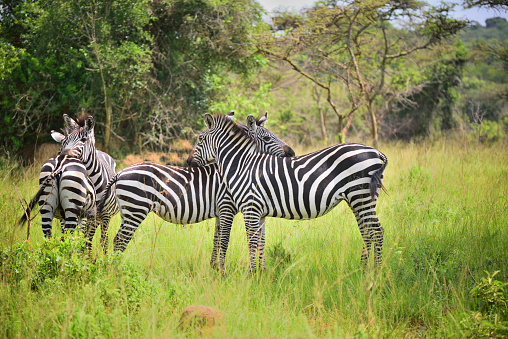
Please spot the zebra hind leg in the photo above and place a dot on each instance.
(124, 235)
(377, 236)
(91, 227)
(104, 233)
(371, 231)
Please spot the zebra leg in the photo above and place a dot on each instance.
(377, 237)
(226, 216)
(254, 232)
(213, 260)
(125, 233)
(261, 245)
(48, 204)
(371, 231)
(104, 232)
(91, 227)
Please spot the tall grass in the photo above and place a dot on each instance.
(445, 225)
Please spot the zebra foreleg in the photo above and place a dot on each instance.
(261, 245)
(213, 260)
(254, 232)
(226, 222)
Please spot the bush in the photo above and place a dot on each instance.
(49, 260)
(490, 319)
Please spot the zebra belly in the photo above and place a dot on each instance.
(304, 203)
(137, 199)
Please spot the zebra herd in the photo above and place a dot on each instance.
(233, 168)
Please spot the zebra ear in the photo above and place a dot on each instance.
(58, 137)
(69, 123)
(262, 121)
(89, 123)
(208, 120)
(230, 115)
(251, 122)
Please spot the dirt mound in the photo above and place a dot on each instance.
(200, 318)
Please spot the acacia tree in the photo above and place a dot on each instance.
(362, 44)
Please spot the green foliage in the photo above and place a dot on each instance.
(491, 318)
(490, 295)
(146, 63)
(53, 258)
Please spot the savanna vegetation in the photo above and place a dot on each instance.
(429, 90)
(444, 273)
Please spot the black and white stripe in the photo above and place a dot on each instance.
(303, 187)
(182, 195)
(65, 192)
(99, 167)
(78, 142)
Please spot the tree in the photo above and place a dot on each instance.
(76, 55)
(198, 45)
(361, 44)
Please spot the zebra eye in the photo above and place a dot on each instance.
(266, 138)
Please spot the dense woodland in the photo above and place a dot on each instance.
(148, 70)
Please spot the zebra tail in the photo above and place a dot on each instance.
(35, 200)
(377, 177)
(105, 197)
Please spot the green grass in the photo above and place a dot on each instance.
(445, 219)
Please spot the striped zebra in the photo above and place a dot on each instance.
(182, 195)
(65, 192)
(78, 140)
(303, 187)
(100, 167)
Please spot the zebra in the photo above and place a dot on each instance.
(100, 168)
(303, 187)
(65, 192)
(98, 165)
(182, 195)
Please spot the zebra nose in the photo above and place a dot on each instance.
(288, 151)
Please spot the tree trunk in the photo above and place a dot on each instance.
(373, 127)
(341, 124)
(321, 114)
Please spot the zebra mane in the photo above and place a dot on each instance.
(236, 128)
(244, 127)
(80, 120)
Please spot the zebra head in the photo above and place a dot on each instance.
(264, 141)
(78, 139)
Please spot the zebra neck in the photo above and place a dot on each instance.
(233, 157)
(92, 162)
